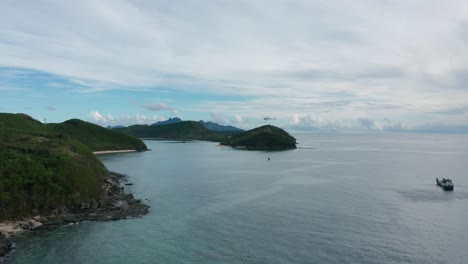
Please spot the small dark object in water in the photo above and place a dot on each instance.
(268, 158)
(129, 183)
(445, 184)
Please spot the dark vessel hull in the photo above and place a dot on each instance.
(444, 185)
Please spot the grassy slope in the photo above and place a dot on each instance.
(264, 137)
(185, 130)
(21, 122)
(96, 137)
(45, 173)
(48, 167)
(93, 136)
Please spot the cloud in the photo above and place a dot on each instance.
(302, 119)
(367, 123)
(439, 128)
(56, 85)
(340, 60)
(11, 88)
(390, 126)
(218, 118)
(97, 117)
(156, 106)
(51, 108)
(305, 122)
(238, 119)
(123, 119)
(460, 110)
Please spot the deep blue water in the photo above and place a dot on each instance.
(339, 198)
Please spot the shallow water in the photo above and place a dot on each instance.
(339, 198)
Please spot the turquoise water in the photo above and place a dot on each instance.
(339, 198)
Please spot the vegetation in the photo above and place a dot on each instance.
(96, 137)
(93, 136)
(47, 167)
(184, 130)
(41, 174)
(266, 137)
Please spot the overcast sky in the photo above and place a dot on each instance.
(313, 65)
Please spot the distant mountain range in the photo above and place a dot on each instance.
(217, 127)
(171, 120)
(117, 126)
(183, 130)
(208, 125)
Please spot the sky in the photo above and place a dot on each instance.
(361, 65)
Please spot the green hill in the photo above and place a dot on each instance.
(266, 137)
(93, 136)
(184, 130)
(96, 137)
(20, 122)
(38, 174)
(47, 167)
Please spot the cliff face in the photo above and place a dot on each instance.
(266, 137)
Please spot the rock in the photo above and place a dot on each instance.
(69, 218)
(94, 204)
(113, 205)
(5, 245)
(53, 214)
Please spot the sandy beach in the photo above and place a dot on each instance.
(113, 151)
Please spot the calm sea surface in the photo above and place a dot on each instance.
(339, 198)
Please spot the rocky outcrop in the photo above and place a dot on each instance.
(5, 245)
(114, 204)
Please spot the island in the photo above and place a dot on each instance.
(266, 137)
(181, 130)
(49, 175)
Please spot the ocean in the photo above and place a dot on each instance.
(338, 198)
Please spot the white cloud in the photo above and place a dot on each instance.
(367, 123)
(400, 59)
(156, 106)
(96, 117)
(238, 119)
(218, 118)
(123, 119)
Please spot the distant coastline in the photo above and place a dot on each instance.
(113, 151)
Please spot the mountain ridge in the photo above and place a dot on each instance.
(184, 130)
(213, 126)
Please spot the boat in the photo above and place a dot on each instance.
(445, 184)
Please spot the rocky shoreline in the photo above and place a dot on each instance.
(114, 204)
